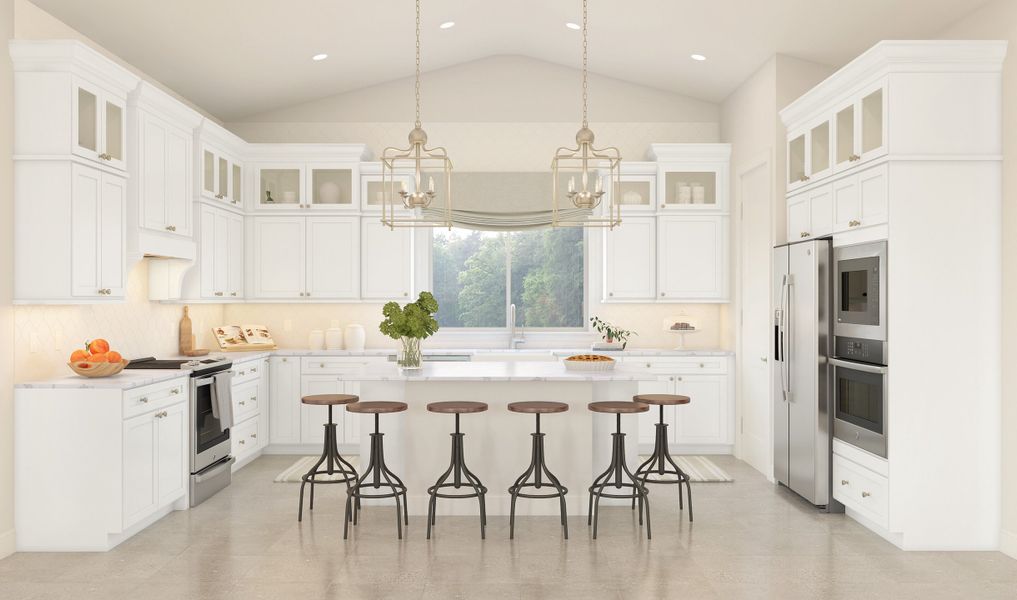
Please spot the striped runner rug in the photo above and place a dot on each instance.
(294, 472)
(700, 469)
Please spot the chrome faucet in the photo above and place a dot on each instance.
(513, 340)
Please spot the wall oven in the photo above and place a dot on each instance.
(860, 291)
(860, 404)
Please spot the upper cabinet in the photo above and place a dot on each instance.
(692, 177)
(305, 258)
(692, 258)
(637, 188)
(70, 101)
(219, 165)
(293, 177)
(373, 186)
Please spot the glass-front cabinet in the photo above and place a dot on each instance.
(691, 178)
(100, 130)
(637, 187)
(306, 186)
(372, 188)
(691, 190)
(330, 186)
(221, 176)
(280, 186)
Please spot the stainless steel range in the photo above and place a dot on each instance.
(211, 417)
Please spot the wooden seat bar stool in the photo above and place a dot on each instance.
(617, 475)
(333, 462)
(461, 476)
(660, 462)
(376, 470)
(538, 468)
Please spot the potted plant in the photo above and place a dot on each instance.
(410, 324)
(610, 333)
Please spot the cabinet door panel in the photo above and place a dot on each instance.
(872, 185)
(112, 250)
(154, 176)
(333, 267)
(278, 263)
(821, 211)
(705, 419)
(847, 207)
(209, 162)
(313, 418)
(139, 468)
(221, 254)
(85, 204)
(284, 405)
(235, 255)
(630, 269)
(206, 245)
(113, 131)
(178, 180)
(86, 121)
(799, 218)
(171, 453)
(691, 258)
(387, 260)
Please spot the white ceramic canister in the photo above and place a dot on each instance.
(316, 340)
(333, 338)
(355, 338)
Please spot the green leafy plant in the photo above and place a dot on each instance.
(415, 320)
(611, 333)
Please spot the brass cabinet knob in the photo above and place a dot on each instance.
(241, 441)
(805, 234)
(218, 293)
(242, 403)
(254, 435)
(254, 398)
(865, 494)
(854, 223)
(143, 400)
(844, 482)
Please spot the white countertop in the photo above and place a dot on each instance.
(510, 370)
(493, 371)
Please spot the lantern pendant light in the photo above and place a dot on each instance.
(429, 202)
(586, 174)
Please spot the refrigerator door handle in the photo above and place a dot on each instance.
(780, 327)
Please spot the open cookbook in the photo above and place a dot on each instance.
(243, 337)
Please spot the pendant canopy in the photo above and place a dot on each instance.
(417, 180)
(583, 175)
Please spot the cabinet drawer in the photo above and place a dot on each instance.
(151, 397)
(246, 371)
(246, 401)
(244, 437)
(861, 490)
(679, 365)
(338, 365)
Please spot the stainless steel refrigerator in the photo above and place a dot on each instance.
(802, 422)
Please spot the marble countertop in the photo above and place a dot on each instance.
(507, 351)
(125, 380)
(494, 371)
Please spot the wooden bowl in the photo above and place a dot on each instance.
(102, 369)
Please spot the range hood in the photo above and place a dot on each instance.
(166, 277)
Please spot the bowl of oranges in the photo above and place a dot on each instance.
(96, 360)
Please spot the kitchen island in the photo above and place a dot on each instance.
(497, 442)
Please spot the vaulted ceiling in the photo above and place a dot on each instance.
(240, 57)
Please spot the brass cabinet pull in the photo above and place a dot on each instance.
(218, 293)
(254, 435)
(241, 441)
(254, 398)
(171, 228)
(865, 494)
(160, 415)
(175, 391)
(805, 234)
(844, 482)
(242, 403)
(854, 223)
(143, 400)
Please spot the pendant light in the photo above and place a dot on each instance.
(429, 202)
(586, 174)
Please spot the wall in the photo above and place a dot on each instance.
(485, 115)
(45, 335)
(6, 282)
(998, 20)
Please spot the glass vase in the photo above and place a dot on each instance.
(410, 358)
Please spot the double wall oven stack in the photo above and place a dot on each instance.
(829, 376)
(210, 421)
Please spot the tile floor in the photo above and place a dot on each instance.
(750, 540)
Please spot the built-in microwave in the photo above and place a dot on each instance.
(860, 291)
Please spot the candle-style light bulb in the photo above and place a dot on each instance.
(572, 184)
(403, 187)
(600, 185)
(430, 184)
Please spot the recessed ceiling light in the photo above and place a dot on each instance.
(698, 57)
(447, 25)
(572, 25)
(319, 56)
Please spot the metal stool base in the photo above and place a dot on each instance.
(462, 477)
(333, 463)
(376, 471)
(658, 464)
(619, 477)
(538, 469)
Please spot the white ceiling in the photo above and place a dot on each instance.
(236, 58)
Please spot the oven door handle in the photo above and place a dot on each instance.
(857, 366)
(214, 469)
(203, 382)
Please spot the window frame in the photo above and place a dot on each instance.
(478, 337)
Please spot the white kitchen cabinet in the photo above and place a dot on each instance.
(98, 205)
(161, 150)
(221, 176)
(707, 418)
(284, 381)
(860, 199)
(219, 273)
(332, 246)
(330, 186)
(799, 217)
(692, 258)
(278, 257)
(386, 261)
(235, 253)
(280, 186)
(630, 268)
(821, 211)
(373, 187)
(155, 455)
(637, 188)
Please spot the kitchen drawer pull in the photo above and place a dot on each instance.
(242, 403)
(254, 398)
(865, 494)
(854, 223)
(175, 391)
(702, 366)
(844, 482)
(160, 415)
(254, 369)
(143, 400)
(241, 441)
(242, 373)
(254, 435)
(805, 234)
(648, 365)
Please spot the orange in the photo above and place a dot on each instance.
(79, 355)
(84, 365)
(98, 346)
(113, 356)
(98, 357)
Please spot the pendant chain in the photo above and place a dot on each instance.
(417, 90)
(584, 65)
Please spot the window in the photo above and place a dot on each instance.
(477, 274)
